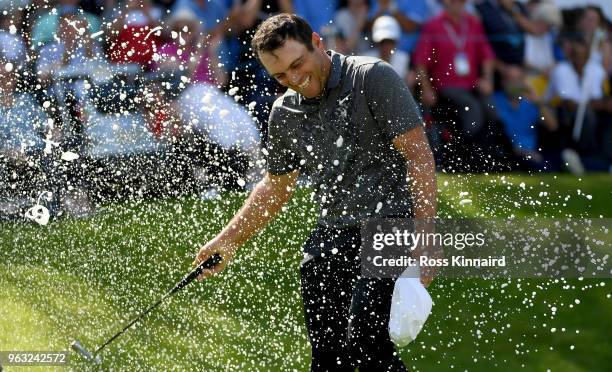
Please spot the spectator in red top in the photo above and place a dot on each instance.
(133, 39)
(191, 51)
(455, 62)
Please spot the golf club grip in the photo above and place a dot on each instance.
(211, 262)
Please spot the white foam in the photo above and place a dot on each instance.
(233, 91)
(69, 156)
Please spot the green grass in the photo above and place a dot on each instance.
(84, 278)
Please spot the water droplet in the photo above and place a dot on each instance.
(69, 156)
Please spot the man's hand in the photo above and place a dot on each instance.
(428, 249)
(225, 250)
(426, 280)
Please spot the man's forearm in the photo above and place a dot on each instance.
(422, 181)
(422, 176)
(264, 202)
(421, 171)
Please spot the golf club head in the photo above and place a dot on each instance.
(76, 346)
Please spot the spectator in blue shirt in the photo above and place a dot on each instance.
(47, 26)
(521, 117)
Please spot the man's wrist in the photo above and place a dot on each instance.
(224, 242)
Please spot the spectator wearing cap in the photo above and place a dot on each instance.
(45, 28)
(454, 61)
(386, 33)
(410, 14)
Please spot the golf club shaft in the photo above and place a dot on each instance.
(211, 262)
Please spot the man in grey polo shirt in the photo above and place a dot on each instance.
(350, 125)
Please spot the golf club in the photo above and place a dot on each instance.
(94, 357)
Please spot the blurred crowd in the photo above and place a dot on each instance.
(503, 85)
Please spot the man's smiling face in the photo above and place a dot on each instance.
(296, 67)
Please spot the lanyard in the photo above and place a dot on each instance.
(458, 40)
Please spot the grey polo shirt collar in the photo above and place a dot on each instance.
(336, 70)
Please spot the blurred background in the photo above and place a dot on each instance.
(110, 99)
(131, 130)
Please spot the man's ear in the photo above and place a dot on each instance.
(317, 41)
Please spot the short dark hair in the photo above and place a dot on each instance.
(274, 31)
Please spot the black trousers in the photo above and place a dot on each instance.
(346, 315)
